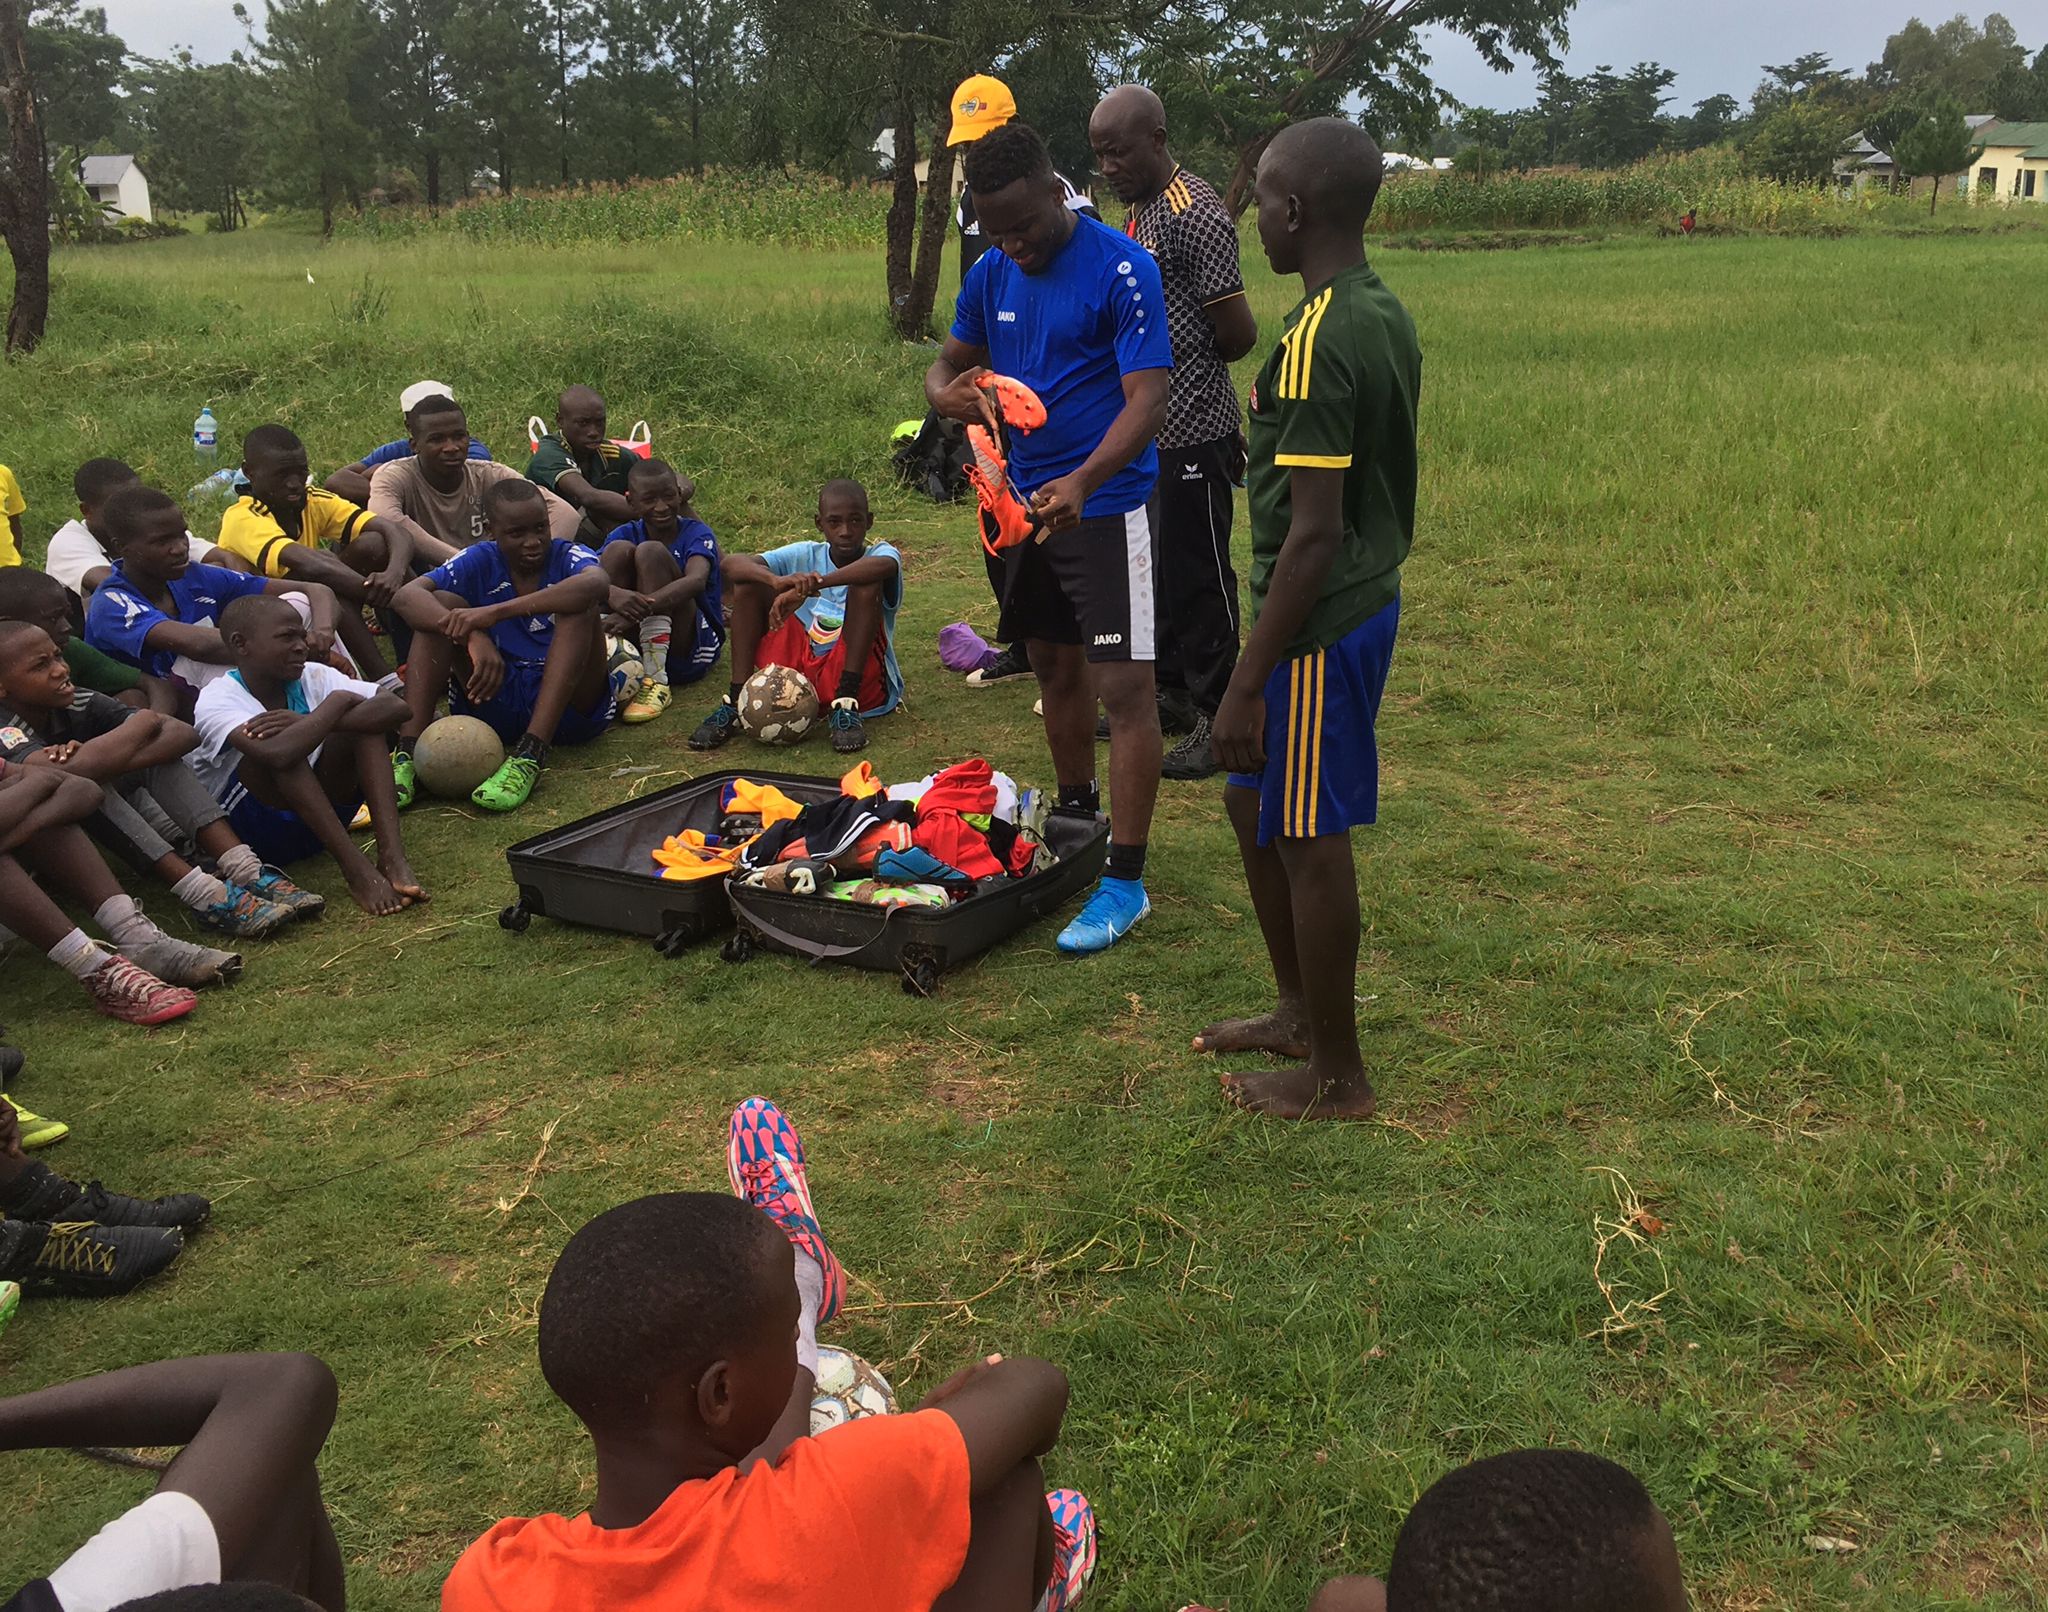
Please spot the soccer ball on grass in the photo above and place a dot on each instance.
(778, 705)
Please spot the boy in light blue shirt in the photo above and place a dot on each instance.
(826, 608)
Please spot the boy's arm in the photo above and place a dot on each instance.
(574, 487)
(690, 585)
(250, 1425)
(398, 541)
(1314, 536)
(185, 638)
(378, 715)
(749, 568)
(280, 739)
(1008, 1412)
(33, 799)
(873, 570)
(162, 696)
(146, 739)
(419, 606)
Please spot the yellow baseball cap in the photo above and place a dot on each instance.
(981, 104)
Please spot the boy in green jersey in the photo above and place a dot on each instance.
(1331, 485)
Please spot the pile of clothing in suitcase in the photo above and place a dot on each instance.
(924, 844)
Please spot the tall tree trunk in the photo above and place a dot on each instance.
(933, 228)
(902, 226)
(24, 185)
(433, 177)
(696, 121)
(562, 84)
(1933, 195)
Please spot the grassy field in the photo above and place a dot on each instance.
(1709, 881)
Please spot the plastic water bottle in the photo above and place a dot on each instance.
(220, 484)
(206, 437)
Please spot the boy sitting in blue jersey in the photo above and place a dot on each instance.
(510, 629)
(664, 563)
(158, 610)
(826, 609)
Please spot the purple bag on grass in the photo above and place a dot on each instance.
(963, 650)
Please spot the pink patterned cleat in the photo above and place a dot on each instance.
(764, 1157)
(1073, 1548)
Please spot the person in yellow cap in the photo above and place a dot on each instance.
(981, 105)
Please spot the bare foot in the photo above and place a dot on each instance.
(1283, 1032)
(399, 872)
(1301, 1094)
(373, 892)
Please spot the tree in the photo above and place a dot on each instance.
(314, 56)
(416, 78)
(1248, 68)
(2020, 94)
(1616, 120)
(194, 125)
(75, 64)
(1957, 58)
(1713, 120)
(1936, 142)
(24, 185)
(501, 69)
(1797, 144)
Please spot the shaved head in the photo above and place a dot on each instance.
(1316, 185)
(580, 397)
(1127, 132)
(1333, 167)
(1132, 107)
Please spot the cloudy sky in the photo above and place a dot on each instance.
(1714, 45)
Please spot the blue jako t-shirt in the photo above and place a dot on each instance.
(693, 538)
(1071, 332)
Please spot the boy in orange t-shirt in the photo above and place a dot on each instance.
(682, 1330)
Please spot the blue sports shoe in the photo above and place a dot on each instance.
(1112, 911)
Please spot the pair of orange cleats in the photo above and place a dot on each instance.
(1006, 520)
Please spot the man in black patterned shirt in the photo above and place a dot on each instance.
(1183, 223)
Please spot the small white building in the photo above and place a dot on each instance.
(116, 183)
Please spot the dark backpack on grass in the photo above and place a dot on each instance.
(934, 461)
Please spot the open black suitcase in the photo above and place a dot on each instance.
(599, 870)
(920, 943)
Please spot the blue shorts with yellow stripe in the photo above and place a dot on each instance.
(1322, 772)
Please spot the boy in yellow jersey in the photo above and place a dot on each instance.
(1331, 488)
(12, 507)
(286, 527)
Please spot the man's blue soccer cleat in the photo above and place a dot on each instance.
(1116, 906)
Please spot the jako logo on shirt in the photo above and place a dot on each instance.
(1105, 638)
(1005, 317)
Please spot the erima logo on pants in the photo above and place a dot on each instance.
(1103, 638)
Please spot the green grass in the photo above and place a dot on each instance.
(1711, 854)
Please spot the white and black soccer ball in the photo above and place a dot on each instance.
(848, 1389)
(778, 705)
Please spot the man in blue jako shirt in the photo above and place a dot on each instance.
(353, 481)
(1076, 312)
(514, 621)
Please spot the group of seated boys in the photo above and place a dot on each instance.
(216, 712)
(682, 1331)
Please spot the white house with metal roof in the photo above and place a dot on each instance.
(117, 184)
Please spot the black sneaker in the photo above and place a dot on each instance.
(1192, 757)
(85, 1260)
(40, 1193)
(716, 728)
(848, 734)
(1009, 665)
